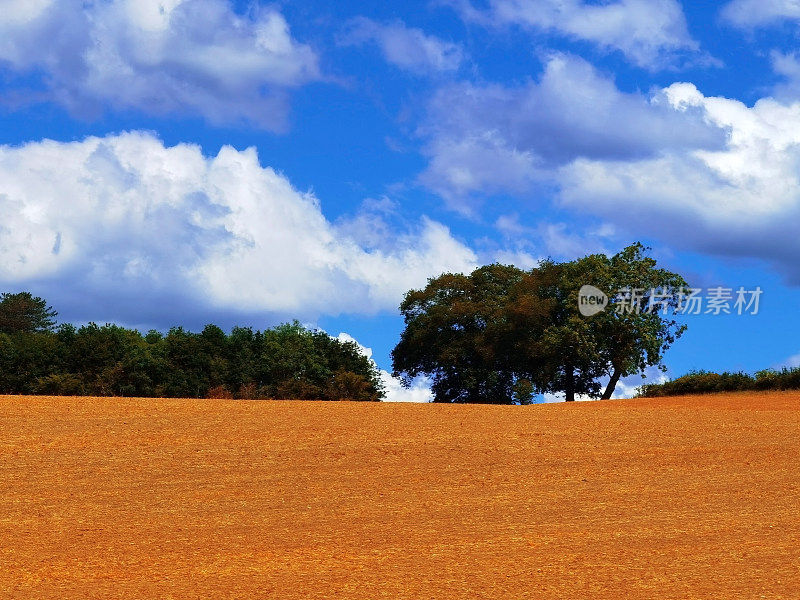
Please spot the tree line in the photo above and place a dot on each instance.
(37, 356)
(498, 335)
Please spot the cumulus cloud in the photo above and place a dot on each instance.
(758, 13)
(519, 258)
(739, 200)
(489, 139)
(710, 174)
(186, 57)
(650, 33)
(405, 47)
(133, 224)
(419, 391)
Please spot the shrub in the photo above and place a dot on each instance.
(249, 391)
(704, 382)
(219, 392)
(298, 389)
(347, 385)
(65, 384)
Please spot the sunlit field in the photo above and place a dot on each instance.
(660, 498)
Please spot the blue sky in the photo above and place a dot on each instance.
(170, 162)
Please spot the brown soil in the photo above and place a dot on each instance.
(668, 498)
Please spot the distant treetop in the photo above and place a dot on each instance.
(25, 313)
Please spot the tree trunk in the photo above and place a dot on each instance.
(569, 383)
(612, 383)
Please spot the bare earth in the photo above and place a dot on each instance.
(674, 498)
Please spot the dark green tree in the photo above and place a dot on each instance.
(555, 347)
(457, 331)
(25, 313)
(639, 327)
(622, 340)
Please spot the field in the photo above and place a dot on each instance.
(659, 498)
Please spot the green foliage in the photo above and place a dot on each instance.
(288, 361)
(705, 382)
(25, 358)
(454, 329)
(785, 379)
(480, 336)
(613, 343)
(60, 384)
(347, 385)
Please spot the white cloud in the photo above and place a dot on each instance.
(347, 338)
(127, 220)
(405, 47)
(463, 162)
(756, 13)
(186, 57)
(709, 174)
(17, 12)
(495, 139)
(626, 388)
(419, 391)
(740, 200)
(519, 258)
(650, 33)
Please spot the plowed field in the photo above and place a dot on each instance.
(670, 498)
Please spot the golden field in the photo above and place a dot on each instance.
(660, 498)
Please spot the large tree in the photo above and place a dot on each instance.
(500, 334)
(626, 338)
(457, 332)
(639, 326)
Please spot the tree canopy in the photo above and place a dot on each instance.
(23, 312)
(501, 334)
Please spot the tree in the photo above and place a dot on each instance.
(551, 345)
(501, 334)
(296, 362)
(25, 313)
(457, 332)
(636, 337)
(624, 339)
